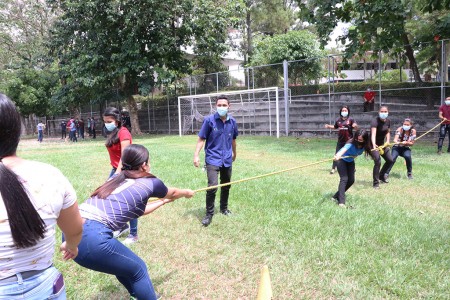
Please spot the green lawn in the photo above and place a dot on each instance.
(394, 244)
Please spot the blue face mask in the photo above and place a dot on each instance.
(406, 128)
(110, 126)
(344, 114)
(383, 115)
(222, 111)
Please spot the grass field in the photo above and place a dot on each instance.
(394, 244)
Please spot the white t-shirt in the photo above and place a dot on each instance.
(50, 192)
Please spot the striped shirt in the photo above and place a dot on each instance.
(125, 203)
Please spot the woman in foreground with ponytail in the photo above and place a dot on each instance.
(34, 198)
(120, 199)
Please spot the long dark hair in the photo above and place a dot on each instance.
(366, 137)
(133, 157)
(27, 226)
(113, 137)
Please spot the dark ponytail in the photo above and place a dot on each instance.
(27, 226)
(133, 157)
(113, 136)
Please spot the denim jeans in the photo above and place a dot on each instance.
(404, 152)
(445, 128)
(99, 251)
(40, 135)
(37, 287)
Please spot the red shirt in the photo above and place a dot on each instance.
(115, 151)
(445, 109)
(369, 96)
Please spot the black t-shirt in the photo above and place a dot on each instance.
(345, 129)
(382, 129)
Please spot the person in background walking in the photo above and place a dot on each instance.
(404, 139)
(40, 129)
(346, 166)
(89, 126)
(35, 198)
(379, 134)
(93, 122)
(444, 115)
(369, 100)
(81, 128)
(218, 133)
(63, 129)
(73, 130)
(345, 125)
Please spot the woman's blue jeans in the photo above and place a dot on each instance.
(38, 287)
(99, 251)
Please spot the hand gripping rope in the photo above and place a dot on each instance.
(381, 148)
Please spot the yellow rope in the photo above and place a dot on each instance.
(431, 129)
(381, 148)
(257, 177)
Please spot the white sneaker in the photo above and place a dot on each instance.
(118, 233)
(131, 239)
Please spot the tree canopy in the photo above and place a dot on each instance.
(376, 25)
(301, 46)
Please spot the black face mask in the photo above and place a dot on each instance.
(360, 144)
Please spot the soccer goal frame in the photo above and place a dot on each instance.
(188, 112)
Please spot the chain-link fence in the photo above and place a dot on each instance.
(314, 90)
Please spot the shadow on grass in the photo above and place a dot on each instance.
(161, 279)
(198, 213)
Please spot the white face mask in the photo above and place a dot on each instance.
(447, 102)
(406, 128)
(110, 126)
(222, 111)
(344, 113)
(383, 115)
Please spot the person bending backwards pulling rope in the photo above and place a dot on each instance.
(346, 165)
(404, 136)
(122, 198)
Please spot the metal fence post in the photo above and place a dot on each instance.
(443, 67)
(379, 76)
(286, 95)
(329, 92)
(217, 82)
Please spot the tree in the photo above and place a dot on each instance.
(267, 17)
(23, 30)
(301, 46)
(30, 89)
(377, 25)
(110, 44)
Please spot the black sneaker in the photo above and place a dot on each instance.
(207, 220)
(384, 178)
(225, 212)
(376, 186)
(410, 176)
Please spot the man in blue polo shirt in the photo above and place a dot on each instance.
(218, 135)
